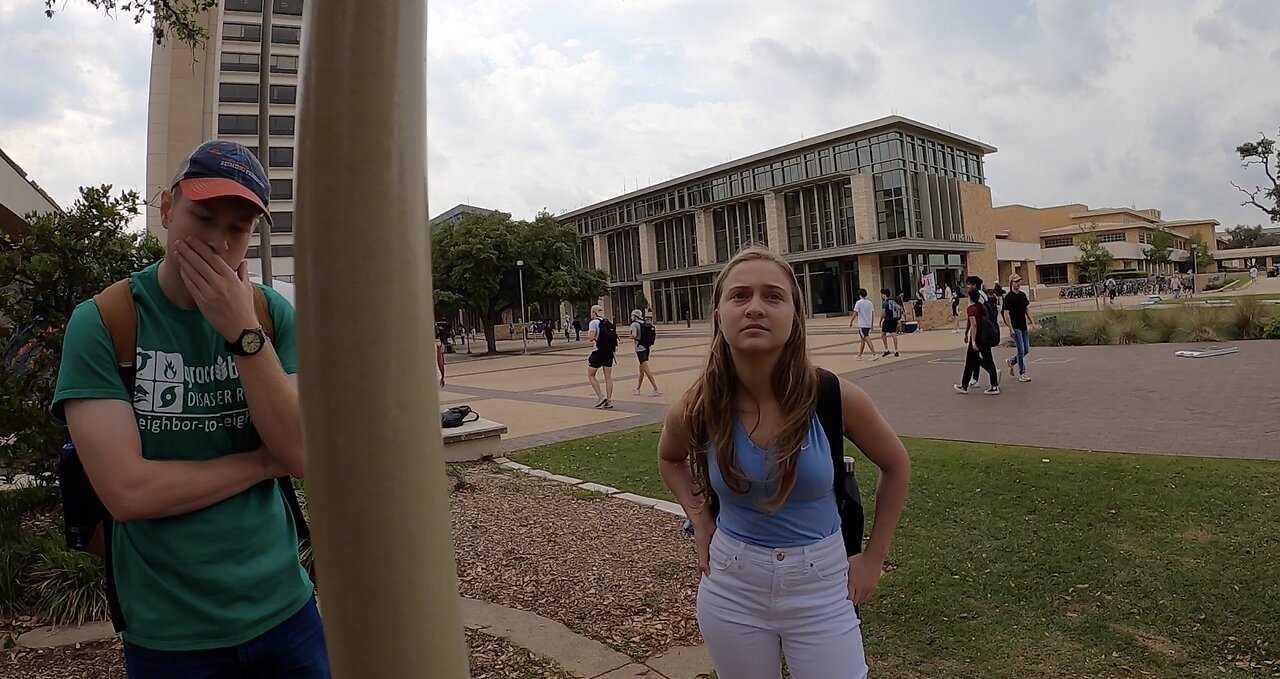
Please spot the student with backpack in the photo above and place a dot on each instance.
(981, 334)
(892, 317)
(185, 444)
(643, 334)
(604, 347)
(864, 312)
(754, 452)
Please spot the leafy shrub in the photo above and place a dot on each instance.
(17, 558)
(1061, 334)
(1272, 329)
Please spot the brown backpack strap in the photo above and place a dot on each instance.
(261, 308)
(115, 304)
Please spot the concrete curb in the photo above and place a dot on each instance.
(655, 503)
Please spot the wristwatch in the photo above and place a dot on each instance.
(250, 342)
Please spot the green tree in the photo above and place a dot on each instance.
(1095, 260)
(642, 302)
(1264, 196)
(474, 266)
(1245, 236)
(179, 18)
(1203, 255)
(1161, 250)
(59, 261)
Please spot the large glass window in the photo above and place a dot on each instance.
(902, 273)
(281, 156)
(1053, 274)
(676, 243)
(238, 93)
(795, 222)
(237, 124)
(282, 125)
(281, 189)
(290, 7)
(243, 5)
(281, 222)
(738, 225)
(286, 35)
(624, 254)
(676, 297)
(282, 64)
(283, 94)
(1059, 242)
(891, 204)
(239, 62)
(825, 296)
(242, 32)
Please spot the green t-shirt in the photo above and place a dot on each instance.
(225, 574)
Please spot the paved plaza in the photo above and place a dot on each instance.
(1138, 399)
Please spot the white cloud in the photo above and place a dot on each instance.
(1108, 103)
(560, 103)
(75, 96)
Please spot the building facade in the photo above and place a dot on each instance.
(212, 93)
(19, 196)
(1056, 232)
(873, 206)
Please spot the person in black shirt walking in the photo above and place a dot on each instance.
(1017, 314)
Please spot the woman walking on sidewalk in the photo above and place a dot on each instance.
(978, 355)
(754, 453)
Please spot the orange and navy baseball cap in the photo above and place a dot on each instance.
(224, 168)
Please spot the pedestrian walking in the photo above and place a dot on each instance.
(864, 314)
(604, 345)
(892, 316)
(1017, 317)
(643, 335)
(977, 339)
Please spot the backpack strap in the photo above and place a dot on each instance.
(120, 317)
(830, 411)
(263, 311)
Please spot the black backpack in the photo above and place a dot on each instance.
(830, 411)
(989, 328)
(607, 336)
(648, 334)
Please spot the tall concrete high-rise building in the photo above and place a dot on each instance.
(212, 93)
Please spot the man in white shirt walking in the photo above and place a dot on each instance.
(864, 313)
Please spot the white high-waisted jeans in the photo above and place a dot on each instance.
(759, 604)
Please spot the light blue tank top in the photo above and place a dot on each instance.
(809, 514)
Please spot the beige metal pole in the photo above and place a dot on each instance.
(265, 256)
(375, 470)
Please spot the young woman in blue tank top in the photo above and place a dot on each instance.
(776, 580)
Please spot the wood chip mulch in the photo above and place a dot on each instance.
(608, 569)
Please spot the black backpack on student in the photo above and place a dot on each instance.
(607, 336)
(648, 334)
(989, 328)
(830, 411)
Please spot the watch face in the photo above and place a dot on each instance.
(251, 343)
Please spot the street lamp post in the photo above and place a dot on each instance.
(524, 331)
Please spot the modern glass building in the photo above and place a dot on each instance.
(874, 205)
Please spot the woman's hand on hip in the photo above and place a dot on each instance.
(864, 577)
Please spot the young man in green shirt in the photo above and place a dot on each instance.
(203, 548)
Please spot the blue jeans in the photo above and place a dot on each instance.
(294, 649)
(1021, 340)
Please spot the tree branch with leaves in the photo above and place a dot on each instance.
(179, 18)
(1095, 260)
(1262, 196)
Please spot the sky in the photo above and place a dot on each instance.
(557, 104)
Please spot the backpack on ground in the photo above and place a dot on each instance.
(87, 523)
(607, 336)
(648, 334)
(989, 327)
(830, 412)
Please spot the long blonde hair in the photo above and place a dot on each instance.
(712, 403)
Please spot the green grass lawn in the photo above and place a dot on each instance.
(1085, 565)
